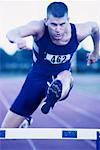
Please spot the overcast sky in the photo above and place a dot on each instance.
(19, 12)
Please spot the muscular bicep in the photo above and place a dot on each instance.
(35, 28)
(32, 28)
(85, 29)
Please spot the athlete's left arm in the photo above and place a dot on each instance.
(90, 29)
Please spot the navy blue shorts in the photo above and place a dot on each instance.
(32, 93)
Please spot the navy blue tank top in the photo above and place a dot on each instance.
(49, 58)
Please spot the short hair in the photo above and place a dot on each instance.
(57, 9)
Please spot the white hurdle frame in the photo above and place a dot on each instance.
(51, 133)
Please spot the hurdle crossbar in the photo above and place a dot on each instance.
(49, 133)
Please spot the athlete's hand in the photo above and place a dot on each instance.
(92, 57)
(21, 44)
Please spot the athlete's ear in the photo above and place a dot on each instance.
(45, 21)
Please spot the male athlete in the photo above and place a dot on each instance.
(55, 42)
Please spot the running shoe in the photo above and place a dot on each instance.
(53, 95)
(27, 122)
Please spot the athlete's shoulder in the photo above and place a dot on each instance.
(85, 29)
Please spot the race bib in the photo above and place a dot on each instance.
(57, 59)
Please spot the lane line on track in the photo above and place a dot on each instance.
(59, 120)
(82, 111)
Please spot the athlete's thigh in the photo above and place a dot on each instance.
(30, 96)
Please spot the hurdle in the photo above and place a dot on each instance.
(52, 133)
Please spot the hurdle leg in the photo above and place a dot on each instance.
(98, 141)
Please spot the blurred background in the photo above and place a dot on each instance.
(17, 13)
(21, 61)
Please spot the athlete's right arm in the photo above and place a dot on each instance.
(34, 28)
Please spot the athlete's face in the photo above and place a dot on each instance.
(57, 26)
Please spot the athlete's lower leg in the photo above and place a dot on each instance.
(12, 120)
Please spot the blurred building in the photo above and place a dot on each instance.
(20, 62)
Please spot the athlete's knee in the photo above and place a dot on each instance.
(64, 75)
(66, 78)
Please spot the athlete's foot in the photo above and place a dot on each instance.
(53, 95)
(26, 123)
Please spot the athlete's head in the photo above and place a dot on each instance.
(57, 19)
(57, 9)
